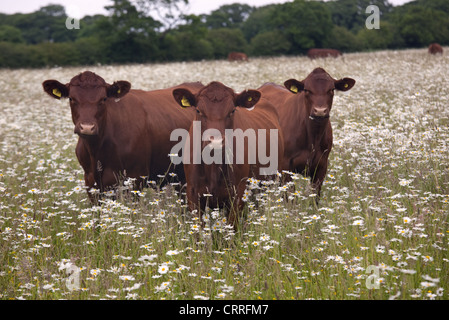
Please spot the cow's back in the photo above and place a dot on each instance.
(282, 101)
(274, 93)
(263, 116)
(237, 56)
(323, 53)
(140, 125)
(435, 48)
(292, 119)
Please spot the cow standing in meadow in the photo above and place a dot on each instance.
(323, 53)
(435, 48)
(229, 122)
(304, 109)
(237, 56)
(123, 133)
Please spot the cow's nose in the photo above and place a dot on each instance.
(320, 111)
(88, 128)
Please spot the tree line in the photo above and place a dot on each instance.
(142, 31)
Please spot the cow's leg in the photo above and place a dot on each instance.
(318, 178)
(89, 181)
(87, 163)
(193, 202)
(236, 205)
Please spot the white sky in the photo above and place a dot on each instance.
(81, 8)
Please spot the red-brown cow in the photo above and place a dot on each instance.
(242, 131)
(304, 108)
(237, 56)
(323, 53)
(122, 132)
(435, 48)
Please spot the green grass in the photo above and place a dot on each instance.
(385, 202)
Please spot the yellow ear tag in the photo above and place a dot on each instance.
(346, 85)
(294, 89)
(118, 91)
(185, 103)
(250, 98)
(57, 93)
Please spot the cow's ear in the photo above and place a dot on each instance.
(294, 85)
(55, 89)
(247, 99)
(184, 98)
(118, 89)
(344, 84)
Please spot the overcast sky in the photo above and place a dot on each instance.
(81, 8)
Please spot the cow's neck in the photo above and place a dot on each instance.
(317, 130)
(93, 146)
(216, 175)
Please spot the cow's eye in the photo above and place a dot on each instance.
(70, 99)
(232, 112)
(106, 98)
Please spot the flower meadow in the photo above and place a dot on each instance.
(380, 230)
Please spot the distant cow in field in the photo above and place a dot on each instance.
(237, 56)
(304, 109)
(323, 53)
(240, 130)
(122, 132)
(435, 48)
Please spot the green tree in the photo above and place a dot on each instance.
(304, 24)
(59, 54)
(419, 26)
(89, 26)
(259, 21)
(386, 37)
(225, 40)
(11, 34)
(128, 35)
(90, 51)
(229, 16)
(269, 43)
(169, 12)
(344, 40)
(441, 5)
(188, 41)
(351, 13)
(20, 55)
(46, 24)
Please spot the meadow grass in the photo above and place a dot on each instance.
(379, 232)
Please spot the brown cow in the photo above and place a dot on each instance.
(435, 48)
(122, 132)
(237, 56)
(304, 109)
(223, 119)
(323, 53)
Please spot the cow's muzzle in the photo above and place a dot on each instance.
(216, 142)
(87, 129)
(319, 113)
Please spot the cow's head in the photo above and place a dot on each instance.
(215, 105)
(88, 94)
(318, 89)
